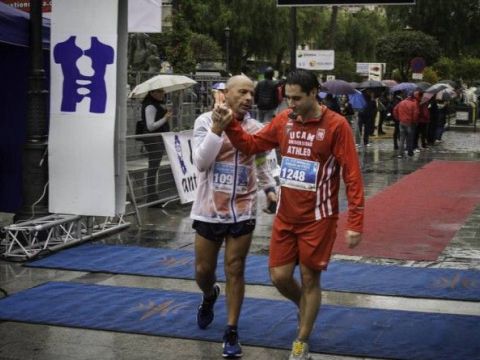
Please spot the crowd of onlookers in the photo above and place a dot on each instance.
(418, 118)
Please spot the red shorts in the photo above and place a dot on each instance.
(308, 243)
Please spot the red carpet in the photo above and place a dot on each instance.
(416, 218)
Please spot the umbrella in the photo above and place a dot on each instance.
(167, 83)
(370, 84)
(322, 95)
(357, 100)
(404, 86)
(337, 87)
(218, 86)
(445, 94)
(389, 82)
(423, 85)
(437, 87)
(452, 83)
(426, 97)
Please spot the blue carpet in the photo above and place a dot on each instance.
(342, 276)
(339, 330)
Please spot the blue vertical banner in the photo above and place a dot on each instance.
(83, 107)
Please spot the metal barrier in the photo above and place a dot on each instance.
(149, 176)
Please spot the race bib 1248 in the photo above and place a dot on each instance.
(299, 174)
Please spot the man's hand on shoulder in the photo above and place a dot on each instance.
(221, 117)
(353, 238)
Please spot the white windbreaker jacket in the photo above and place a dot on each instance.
(227, 179)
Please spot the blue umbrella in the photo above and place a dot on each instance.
(404, 86)
(218, 86)
(357, 100)
(322, 95)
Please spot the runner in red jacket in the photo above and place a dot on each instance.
(317, 148)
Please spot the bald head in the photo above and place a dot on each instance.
(238, 80)
(239, 94)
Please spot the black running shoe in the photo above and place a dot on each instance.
(231, 346)
(205, 310)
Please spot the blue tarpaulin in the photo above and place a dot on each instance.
(341, 330)
(340, 276)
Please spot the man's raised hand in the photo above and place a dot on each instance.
(221, 117)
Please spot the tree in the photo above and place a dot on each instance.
(444, 67)
(467, 70)
(258, 28)
(174, 46)
(204, 48)
(430, 75)
(454, 23)
(400, 47)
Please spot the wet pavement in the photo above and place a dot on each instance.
(170, 227)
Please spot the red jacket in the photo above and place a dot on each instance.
(424, 115)
(407, 111)
(315, 155)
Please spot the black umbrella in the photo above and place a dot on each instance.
(337, 87)
(423, 85)
(437, 87)
(452, 83)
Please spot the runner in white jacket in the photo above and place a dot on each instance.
(225, 208)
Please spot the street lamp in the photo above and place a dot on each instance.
(227, 48)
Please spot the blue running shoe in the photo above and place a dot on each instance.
(231, 346)
(205, 310)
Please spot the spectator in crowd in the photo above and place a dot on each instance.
(331, 102)
(366, 116)
(155, 119)
(421, 130)
(396, 98)
(266, 97)
(407, 112)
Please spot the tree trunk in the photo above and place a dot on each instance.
(332, 29)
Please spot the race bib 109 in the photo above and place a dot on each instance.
(224, 178)
(299, 174)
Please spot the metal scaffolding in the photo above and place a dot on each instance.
(28, 239)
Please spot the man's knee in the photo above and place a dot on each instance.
(204, 269)
(235, 267)
(281, 279)
(310, 279)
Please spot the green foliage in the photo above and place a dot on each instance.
(467, 69)
(444, 67)
(430, 75)
(454, 23)
(357, 33)
(258, 28)
(345, 66)
(260, 34)
(204, 48)
(398, 48)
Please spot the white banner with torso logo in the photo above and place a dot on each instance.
(179, 151)
(83, 107)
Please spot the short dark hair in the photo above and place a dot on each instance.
(307, 80)
(268, 74)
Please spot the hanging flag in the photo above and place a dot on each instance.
(145, 16)
(83, 107)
